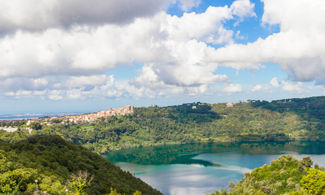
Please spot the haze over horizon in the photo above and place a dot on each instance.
(62, 56)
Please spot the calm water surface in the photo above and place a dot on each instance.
(203, 168)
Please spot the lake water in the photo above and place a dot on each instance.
(202, 168)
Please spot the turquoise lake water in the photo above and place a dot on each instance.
(193, 169)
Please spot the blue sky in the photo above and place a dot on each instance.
(72, 59)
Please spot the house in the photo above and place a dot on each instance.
(229, 105)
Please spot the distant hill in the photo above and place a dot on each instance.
(281, 120)
(57, 165)
(312, 108)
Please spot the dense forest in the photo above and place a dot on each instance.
(283, 176)
(51, 165)
(281, 120)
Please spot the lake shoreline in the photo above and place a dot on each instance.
(189, 168)
(207, 142)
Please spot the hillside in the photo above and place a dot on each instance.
(283, 176)
(281, 120)
(58, 165)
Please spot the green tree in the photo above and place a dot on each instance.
(80, 182)
(36, 126)
(314, 182)
(114, 192)
(137, 193)
(17, 180)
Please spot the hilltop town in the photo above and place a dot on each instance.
(14, 125)
(92, 117)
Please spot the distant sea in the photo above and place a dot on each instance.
(32, 116)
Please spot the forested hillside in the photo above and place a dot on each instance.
(282, 120)
(283, 176)
(52, 165)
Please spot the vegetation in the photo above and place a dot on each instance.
(284, 176)
(52, 165)
(46, 162)
(282, 120)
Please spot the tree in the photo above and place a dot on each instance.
(307, 162)
(36, 126)
(80, 182)
(314, 182)
(113, 192)
(17, 180)
(137, 193)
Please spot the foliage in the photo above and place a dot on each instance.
(12, 137)
(196, 122)
(80, 181)
(12, 123)
(58, 165)
(36, 126)
(314, 182)
(283, 120)
(283, 176)
(114, 192)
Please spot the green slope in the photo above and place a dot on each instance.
(281, 120)
(207, 123)
(283, 176)
(58, 165)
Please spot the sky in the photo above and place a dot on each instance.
(88, 55)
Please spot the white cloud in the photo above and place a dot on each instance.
(70, 62)
(292, 87)
(243, 8)
(233, 88)
(84, 50)
(188, 4)
(88, 81)
(168, 45)
(274, 82)
(257, 88)
(238, 36)
(299, 46)
(287, 86)
(43, 14)
(55, 95)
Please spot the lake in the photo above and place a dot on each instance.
(199, 168)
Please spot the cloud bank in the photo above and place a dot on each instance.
(58, 49)
(45, 54)
(297, 48)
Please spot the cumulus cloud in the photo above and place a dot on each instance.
(82, 87)
(274, 82)
(257, 88)
(188, 4)
(43, 14)
(286, 85)
(297, 48)
(166, 44)
(243, 8)
(55, 95)
(83, 50)
(41, 56)
(292, 87)
(233, 88)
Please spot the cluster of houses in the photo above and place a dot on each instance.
(9, 129)
(92, 117)
(13, 129)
